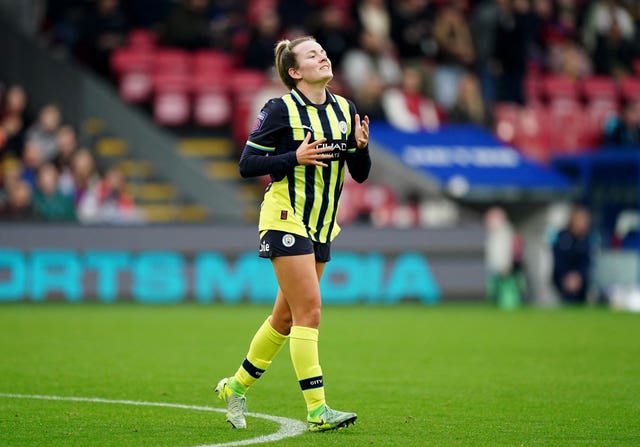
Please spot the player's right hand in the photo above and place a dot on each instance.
(310, 154)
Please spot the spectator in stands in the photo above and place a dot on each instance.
(373, 55)
(18, 206)
(513, 36)
(43, 132)
(84, 174)
(106, 28)
(407, 108)
(469, 106)
(12, 119)
(48, 201)
(412, 29)
(624, 131)
(188, 26)
(368, 96)
(334, 32)
(572, 258)
(66, 148)
(455, 52)
(32, 159)
(608, 35)
(373, 16)
(483, 21)
(263, 36)
(108, 201)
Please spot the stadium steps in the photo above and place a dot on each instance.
(158, 200)
(218, 158)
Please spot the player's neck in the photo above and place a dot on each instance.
(316, 93)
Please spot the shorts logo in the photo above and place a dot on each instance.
(342, 125)
(288, 240)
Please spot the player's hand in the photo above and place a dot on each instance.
(310, 154)
(362, 131)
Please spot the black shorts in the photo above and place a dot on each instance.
(280, 243)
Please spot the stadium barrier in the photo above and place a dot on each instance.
(172, 264)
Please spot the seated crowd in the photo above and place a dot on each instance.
(46, 175)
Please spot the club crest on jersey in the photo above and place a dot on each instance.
(342, 125)
(288, 240)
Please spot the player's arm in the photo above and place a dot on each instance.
(358, 159)
(259, 157)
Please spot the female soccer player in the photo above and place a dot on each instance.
(303, 141)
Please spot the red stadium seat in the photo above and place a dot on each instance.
(171, 105)
(205, 61)
(596, 87)
(567, 127)
(630, 88)
(211, 99)
(142, 38)
(559, 87)
(244, 84)
(532, 133)
(171, 60)
(533, 89)
(597, 114)
(133, 72)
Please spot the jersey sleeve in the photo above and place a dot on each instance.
(358, 160)
(258, 157)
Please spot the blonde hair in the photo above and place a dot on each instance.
(285, 59)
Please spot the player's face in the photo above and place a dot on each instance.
(313, 64)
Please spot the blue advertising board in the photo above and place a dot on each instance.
(467, 160)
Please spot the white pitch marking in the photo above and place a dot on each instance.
(288, 427)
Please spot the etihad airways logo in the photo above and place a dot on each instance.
(334, 146)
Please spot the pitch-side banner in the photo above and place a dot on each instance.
(467, 161)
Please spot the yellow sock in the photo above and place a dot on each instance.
(304, 355)
(266, 343)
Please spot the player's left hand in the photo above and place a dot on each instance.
(362, 131)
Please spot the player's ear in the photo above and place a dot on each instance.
(294, 73)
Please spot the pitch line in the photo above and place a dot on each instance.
(288, 427)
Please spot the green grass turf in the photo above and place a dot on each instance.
(417, 376)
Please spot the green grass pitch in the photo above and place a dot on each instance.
(451, 375)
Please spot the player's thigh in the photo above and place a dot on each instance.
(298, 279)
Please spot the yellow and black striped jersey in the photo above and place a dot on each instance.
(303, 199)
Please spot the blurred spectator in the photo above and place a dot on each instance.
(108, 202)
(146, 13)
(469, 106)
(569, 59)
(43, 132)
(373, 16)
(15, 101)
(262, 40)
(608, 35)
(187, 25)
(48, 202)
(513, 37)
(106, 28)
(484, 22)
(455, 52)
(368, 97)
(333, 31)
(12, 116)
(373, 55)
(84, 174)
(572, 258)
(624, 131)
(64, 21)
(412, 29)
(501, 260)
(17, 206)
(32, 159)
(296, 14)
(407, 108)
(67, 144)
